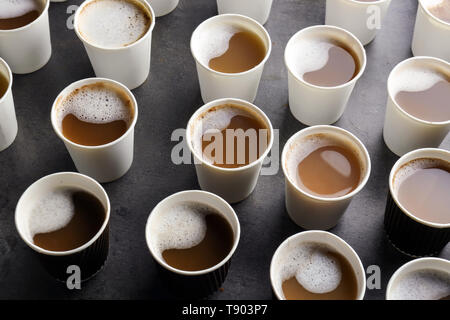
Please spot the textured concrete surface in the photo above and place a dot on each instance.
(166, 102)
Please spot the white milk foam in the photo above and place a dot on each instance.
(313, 267)
(434, 3)
(409, 168)
(17, 8)
(113, 23)
(52, 212)
(415, 79)
(213, 41)
(180, 226)
(95, 103)
(308, 55)
(422, 285)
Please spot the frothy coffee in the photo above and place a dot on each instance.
(439, 8)
(424, 284)
(18, 13)
(114, 23)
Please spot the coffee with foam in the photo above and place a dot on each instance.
(439, 8)
(424, 284)
(114, 23)
(18, 13)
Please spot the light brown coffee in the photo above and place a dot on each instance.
(423, 189)
(245, 51)
(17, 14)
(4, 84)
(441, 10)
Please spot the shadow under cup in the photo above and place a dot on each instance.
(91, 256)
(409, 234)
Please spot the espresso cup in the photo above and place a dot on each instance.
(129, 64)
(431, 35)
(255, 9)
(232, 184)
(27, 49)
(407, 233)
(91, 256)
(414, 287)
(311, 211)
(320, 238)
(193, 283)
(214, 84)
(366, 16)
(163, 7)
(402, 131)
(8, 121)
(317, 105)
(107, 162)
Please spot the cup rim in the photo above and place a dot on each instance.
(161, 262)
(221, 101)
(78, 84)
(306, 234)
(407, 265)
(324, 27)
(326, 128)
(75, 250)
(368, 2)
(239, 16)
(397, 106)
(439, 20)
(401, 161)
(10, 76)
(141, 39)
(44, 10)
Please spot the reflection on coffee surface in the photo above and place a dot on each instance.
(230, 136)
(65, 219)
(314, 271)
(439, 8)
(95, 114)
(18, 13)
(423, 189)
(192, 236)
(114, 23)
(324, 166)
(4, 84)
(424, 284)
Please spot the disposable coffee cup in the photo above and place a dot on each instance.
(311, 211)
(27, 49)
(316, 105)
(331, 241)
(255, 9)
(402, 131)
(217, 85)
(192, 283)
(107, 162)
(232, 184)
(431, 34)
(414, 289)
(407, 233)
(8, 121)
(91, 256)
(127, 64)
(163, 7)
(366, 16)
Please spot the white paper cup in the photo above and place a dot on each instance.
(232, 184)
(357, 17)
(130, 64)
(314, 212)
(437, 264)
(217, 85)
(28, 48)
(107, 162)
(202, 282)
(255, 9)
(91, 256)
(163, 7)
(311, 104)
(319, 237)
(403, 132)
(8, 121)
(430, 35)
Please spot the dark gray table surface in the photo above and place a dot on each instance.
(166, 102)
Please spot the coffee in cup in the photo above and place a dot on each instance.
(17, 14)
